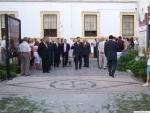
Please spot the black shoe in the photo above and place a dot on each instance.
(104, 68)
(76, 68)
(9, 78)
(28, 75)
(48, 71)
(110, 74)
(113, 75)
(100, 67)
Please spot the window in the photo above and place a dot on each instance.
(2, 24)
(127, 25)
(50, 25)
(90, 25)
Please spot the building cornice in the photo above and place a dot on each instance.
(78, 1)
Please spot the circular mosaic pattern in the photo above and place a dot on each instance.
(72, 84)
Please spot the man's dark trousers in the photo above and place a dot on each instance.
(78, 62)
(86, 60)
(112, 65)
(65, 59)
(45, 65)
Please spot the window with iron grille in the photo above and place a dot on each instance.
(50, 25)
(128, 25)
(90, 25)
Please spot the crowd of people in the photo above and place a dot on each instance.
(43, 54)
(46, 53)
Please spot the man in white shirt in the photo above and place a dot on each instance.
(102, 58)
(24, 50)
(136, 44)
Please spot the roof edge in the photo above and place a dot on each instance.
(70, 1)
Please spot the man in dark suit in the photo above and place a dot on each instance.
(86, 52)
(50, 50)
(97, 52)
(57, 50)
(96, 48)
(43, 52)
(110, 50)
(52, 53)
(65, 52)
(77, 53)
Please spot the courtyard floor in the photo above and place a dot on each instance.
(65, 90)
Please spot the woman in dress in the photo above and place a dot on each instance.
(37, 59)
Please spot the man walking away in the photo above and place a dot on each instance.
(24, 53)
(110, 50)
(65, 52)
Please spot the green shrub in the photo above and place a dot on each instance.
(15, 68)
(2, 74)
(131, 60)
(2, 66)
(139, 68)
(125, 59)
(13, 74)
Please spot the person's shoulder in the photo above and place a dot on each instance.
(75, 44)
(88, 44)
(113, 42)
(40, 43)
(22, 43)
(107, 42)
(82, 43)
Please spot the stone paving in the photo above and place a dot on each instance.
(86, 87)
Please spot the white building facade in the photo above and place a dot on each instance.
(68, 19)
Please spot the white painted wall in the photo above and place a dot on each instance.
(70, 15)
(143, 4)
